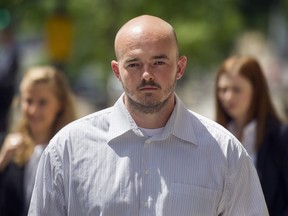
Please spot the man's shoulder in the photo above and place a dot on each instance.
(210, 132)
(86, 124)
(209, 124)
(81, 131)
(91, 120)
(199, 123)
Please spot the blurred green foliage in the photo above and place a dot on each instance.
(206, 29)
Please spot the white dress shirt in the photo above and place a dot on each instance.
(103, 165)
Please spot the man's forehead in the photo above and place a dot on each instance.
(141, 34)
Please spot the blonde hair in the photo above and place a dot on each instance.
(59, 86)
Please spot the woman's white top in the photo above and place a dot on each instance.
(30, 172)
(248, 138)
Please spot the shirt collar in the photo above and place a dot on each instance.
(181, 124)
(121, 122)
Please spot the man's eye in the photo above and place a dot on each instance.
(159, 63)
(133, 65)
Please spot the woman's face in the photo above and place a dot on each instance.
(40, 107)
(235, 95)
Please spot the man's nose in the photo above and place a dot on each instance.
(148, 73)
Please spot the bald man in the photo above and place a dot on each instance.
(148, 154)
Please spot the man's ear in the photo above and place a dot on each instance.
(182, 62)
(115, 68)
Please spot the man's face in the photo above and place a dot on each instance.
(148, 68)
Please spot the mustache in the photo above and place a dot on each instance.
(148, 83)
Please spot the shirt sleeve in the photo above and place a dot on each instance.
(242, 193)
(48, 195)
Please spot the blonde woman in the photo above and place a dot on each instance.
(46, 106)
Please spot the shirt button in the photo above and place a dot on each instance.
(148, 141)
(146, 172)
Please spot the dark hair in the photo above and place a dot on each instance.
(261, 107)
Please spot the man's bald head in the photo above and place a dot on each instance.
(143, 27)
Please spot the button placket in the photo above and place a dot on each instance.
(146, 171)
(146, 181)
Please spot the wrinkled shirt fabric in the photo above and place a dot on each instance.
(102, 164)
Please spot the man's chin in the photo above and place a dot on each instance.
(148, 105)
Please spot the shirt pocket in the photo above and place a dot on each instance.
(193, 200)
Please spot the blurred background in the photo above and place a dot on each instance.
(78, 35)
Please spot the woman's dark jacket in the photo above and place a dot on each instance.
(12, 198)
(272, 167)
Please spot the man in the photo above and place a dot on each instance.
(148, 154)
